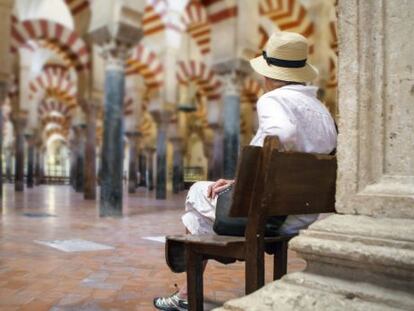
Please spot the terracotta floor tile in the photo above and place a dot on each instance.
(36, 277)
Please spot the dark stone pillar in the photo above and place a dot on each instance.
(161, 191)
(231, 126)
(80, 153)
(30, 161)
(132, 166)
(89, 173)
(162, 119)
(37, 167)
(178, 169)
(1, 143)
(19, 123)
(142, 167)
(215, 158)
(73, 157)
(150, 168)
(9, 165)
(42, 165)
(113, 145)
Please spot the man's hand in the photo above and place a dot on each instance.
(218, 186)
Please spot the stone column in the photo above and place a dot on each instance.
(215, 160)
(178, 165)
(161, 117)
(37, 166)
(363, 257)
(142, 168)
(42, 153)
(149, 153)
(9, 165)
(72, 176)
(3, 92)
(89, 173)
(231, 124)
(115, 27)
(133, 156)
(79, 157)
(19, 122)
(113, 145)
(30, 160)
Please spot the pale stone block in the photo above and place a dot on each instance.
(375, 145)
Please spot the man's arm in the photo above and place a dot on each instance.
(218, 186)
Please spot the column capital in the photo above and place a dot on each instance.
(161, 116)
(133, 134)
(231, 83)
(150, 150)
(215, 126)
(238, 65)
(19, 118)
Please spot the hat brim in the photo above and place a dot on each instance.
(304, 74)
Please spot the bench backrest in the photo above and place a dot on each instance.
(273, 183)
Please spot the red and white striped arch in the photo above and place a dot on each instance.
(57, 131)
(67, 40)
(54, 80)
(201, 74)
(288, 15)
(220, 10)
(147, 64)
(152, 22)
(55, 119)
(47, 107)
(251, 89)
(156, 18)
(77, 6)
(198, 26)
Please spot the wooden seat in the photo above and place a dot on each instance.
(268, 183)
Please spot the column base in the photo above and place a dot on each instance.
(354, 262)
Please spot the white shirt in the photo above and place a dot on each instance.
(302, 123)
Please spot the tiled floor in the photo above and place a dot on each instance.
(37, 277)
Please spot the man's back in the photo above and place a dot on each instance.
(302, 123)
(296, 116)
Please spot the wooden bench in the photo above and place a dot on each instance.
(268, 183)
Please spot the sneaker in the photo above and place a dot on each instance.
(171, 303)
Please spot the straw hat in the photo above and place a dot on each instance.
(285, 58)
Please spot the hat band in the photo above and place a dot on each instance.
(284, 63)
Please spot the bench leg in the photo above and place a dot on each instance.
(254, 268)
(194, 280)
(280, 260)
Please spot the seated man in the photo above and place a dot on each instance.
(288, 109)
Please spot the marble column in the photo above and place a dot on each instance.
(113, 145)
(178, 165)
(19, 124)
(30, 161)
(149, 154)
(132, 166)
(42, 153)
(79, 158)
(215, 161)
(37, 179)
(89, 173)
(162, 119)
(9, 166)
(142, 168)
(362, 258)
(3, 88)
(72, 176)
(231, 124)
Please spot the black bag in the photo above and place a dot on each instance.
(235, 226)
